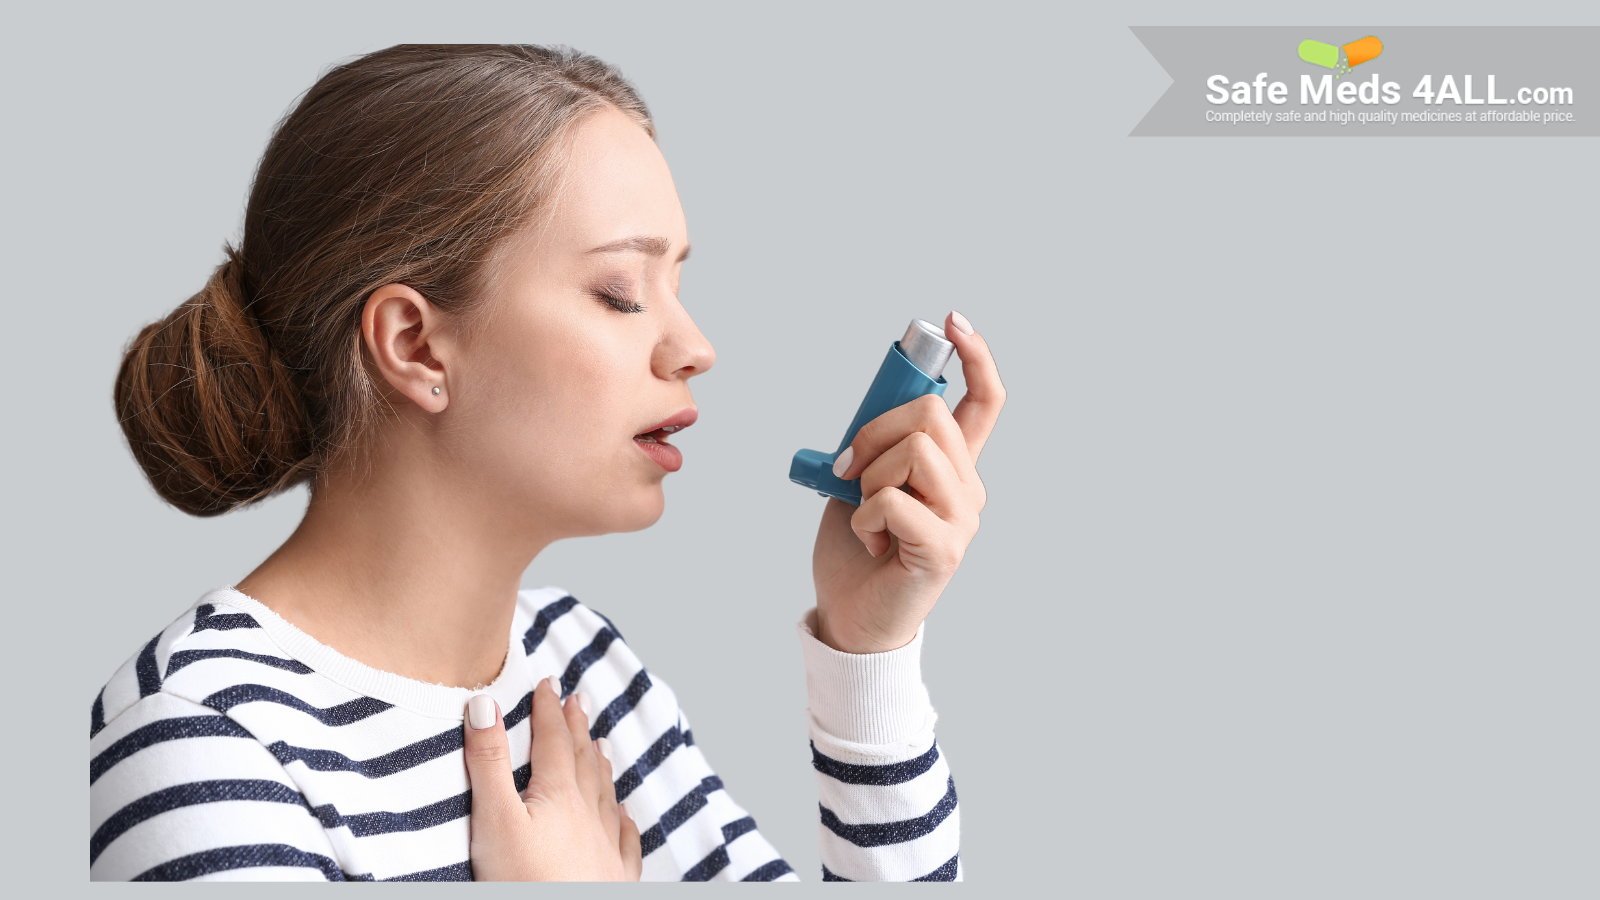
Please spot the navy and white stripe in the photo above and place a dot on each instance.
(895, 819)
(232, 746)
(215, 753)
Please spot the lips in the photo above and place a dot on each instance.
(654, 441)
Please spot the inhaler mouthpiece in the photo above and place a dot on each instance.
(925, 347)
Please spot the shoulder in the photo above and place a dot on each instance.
(552, 615)
(211, 629)
(167, 776)
(585, 648)
(169, 766)
(157, 723)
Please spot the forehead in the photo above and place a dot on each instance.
(616, 185)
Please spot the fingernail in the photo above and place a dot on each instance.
(583, 704)
(555, 685)
(842, 464)
(605, 748)
(480, 711)
(870, 551)
(960, 321)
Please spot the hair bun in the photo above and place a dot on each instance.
(212, 417)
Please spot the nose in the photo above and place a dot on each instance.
(682, 352)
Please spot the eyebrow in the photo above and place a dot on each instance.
(647, 244)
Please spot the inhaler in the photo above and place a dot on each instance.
(914, 367)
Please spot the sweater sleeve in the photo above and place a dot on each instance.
(888, 804)
(179, 792)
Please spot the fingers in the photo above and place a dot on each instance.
(980, 407)
(960, 434)
(926, 541)
(496, 808)
(583, 752)
(927, 414)
(917, 461)
(551, 754)
(628, 846)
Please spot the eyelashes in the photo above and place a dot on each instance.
(616, 300)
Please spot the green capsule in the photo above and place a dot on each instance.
(1319, 54)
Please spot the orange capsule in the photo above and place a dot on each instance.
(1358, 52)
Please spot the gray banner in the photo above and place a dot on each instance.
(1374, 81)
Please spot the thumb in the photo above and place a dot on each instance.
(497, 810)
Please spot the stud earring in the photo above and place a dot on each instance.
(436, 392)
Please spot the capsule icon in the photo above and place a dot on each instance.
(1329, 57)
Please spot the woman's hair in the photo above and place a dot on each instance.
(409, 165)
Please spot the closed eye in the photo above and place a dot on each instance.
(620, 304)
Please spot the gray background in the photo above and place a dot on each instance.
(1287, 583)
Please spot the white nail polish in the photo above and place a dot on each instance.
(842, 464)
(583, 704)
(480, 712)
(555, 685)
(960, 322)
(605, 748)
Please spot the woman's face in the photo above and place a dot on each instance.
(572, 382)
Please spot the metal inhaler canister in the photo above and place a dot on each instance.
(914, 366)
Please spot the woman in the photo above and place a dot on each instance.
(454, 314)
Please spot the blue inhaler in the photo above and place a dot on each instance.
(913, 367)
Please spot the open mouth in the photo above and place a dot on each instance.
(654, 442)
(660, 435)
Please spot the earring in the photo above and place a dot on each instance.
(436, 392)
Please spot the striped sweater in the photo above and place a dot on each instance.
(235, 746)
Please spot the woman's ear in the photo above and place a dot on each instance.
(408, 341)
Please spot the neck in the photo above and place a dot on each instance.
(408, 574)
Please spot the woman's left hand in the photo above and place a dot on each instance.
(880, 567)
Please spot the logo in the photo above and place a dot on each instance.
(1340, 59)
(1417, 80)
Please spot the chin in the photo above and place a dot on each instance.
(648, 510)
(634, 510)
(645, 516)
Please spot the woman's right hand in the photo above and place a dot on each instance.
(567, 826)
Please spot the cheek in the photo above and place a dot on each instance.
(553, 397)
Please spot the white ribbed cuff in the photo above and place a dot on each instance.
(865, 698)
